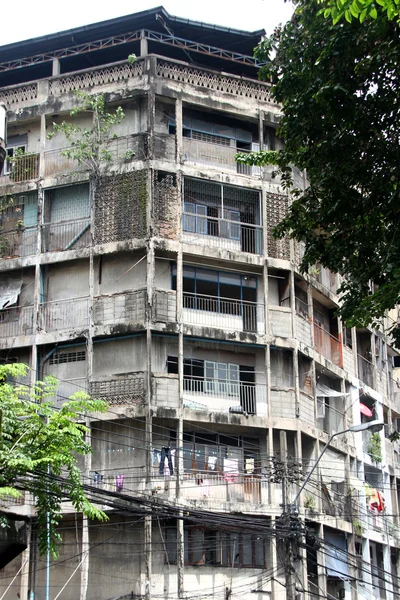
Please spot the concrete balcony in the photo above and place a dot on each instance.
(122, 148)
(223, 487)
(66, 388)
(209, 395)
(218, 155)
(165, 390)
(18, 243)
(223, 313)
(365, 370)
(164, 309)
(71, 235)
(280, 321)
(328, 345)
(23, 168)
(127, 310)
(59, 315)
(127, 388)
(16, 321)
(225, 396)
(224, 234)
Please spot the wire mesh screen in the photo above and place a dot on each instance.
(165, 208)
(121, 207)
(277, 206)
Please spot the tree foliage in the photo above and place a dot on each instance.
(360, 9)
(90, 146)
(340, 94)
(39, 449)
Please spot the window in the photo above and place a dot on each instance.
(223, 211)
(218, 378)
(220, 292)
(59, 358)
(209, 547)
(217, 454)
(222, 378)
(347, 339)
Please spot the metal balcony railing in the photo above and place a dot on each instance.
(328, 345)
(251, 398)
(215, 154)
(225, 313)
(70, 235)
(64, 314)
(22, 168)
(222, 233)
(18, 243)
(16, 321)
(365, 370)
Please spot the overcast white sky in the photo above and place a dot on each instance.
(26, 20)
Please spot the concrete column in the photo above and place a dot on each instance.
(147, 556)
(367, 575)
(321, 568)
(56, 67)
(387, 567)
(151, 113)
(144, 48)
(276, 586)
(25, 560)
(85, 524)
(43, 138)
(85, 559)
(178, 132)
(179, 441)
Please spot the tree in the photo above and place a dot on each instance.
(39, 449)
(90, 146)
(339, 89)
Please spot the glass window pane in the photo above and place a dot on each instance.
(196, 547)
(225, 549)
(259, 552)
(247, 549)
(207, 275)
(170, 543)
(222, 371)
(188, 272)
(230, 278)
(186, 546)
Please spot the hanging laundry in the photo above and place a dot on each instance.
(212, 463)
(97, 477)
(376, 501)
(166, 454)
(119, 482)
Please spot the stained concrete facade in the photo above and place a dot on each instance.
(165, 293)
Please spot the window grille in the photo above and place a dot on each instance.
(59, 358)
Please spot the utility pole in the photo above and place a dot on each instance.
(286, 524)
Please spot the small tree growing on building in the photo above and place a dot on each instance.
(39, 449)
(90, 147)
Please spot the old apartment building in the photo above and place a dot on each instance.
(164, 292)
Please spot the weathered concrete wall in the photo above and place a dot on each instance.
(66, 280)
(112, 276)
(119, 356)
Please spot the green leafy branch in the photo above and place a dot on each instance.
(359, 9)
(39, 446)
